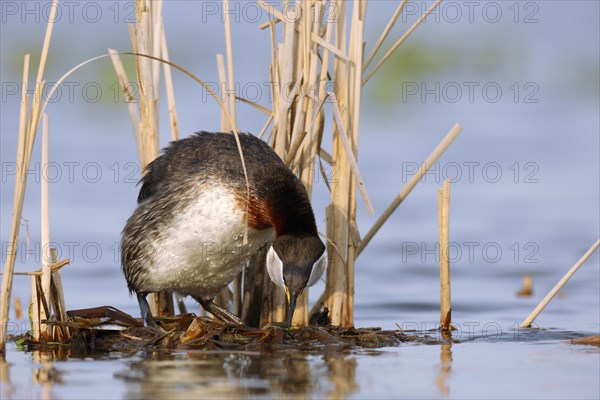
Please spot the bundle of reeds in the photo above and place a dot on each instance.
(47, 296)
(313, 49)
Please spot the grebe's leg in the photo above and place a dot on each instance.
(220, 312)
(145, 311)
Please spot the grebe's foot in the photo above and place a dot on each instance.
(147, 314)
(220, 312)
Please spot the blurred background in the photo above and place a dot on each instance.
(522, 78)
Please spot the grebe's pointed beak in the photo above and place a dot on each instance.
(292, 298)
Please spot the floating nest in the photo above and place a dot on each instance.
(108, 329)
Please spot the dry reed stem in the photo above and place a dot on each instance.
(161, 304)
(54, 266)
(134, 113)
(46, 279)
(58, 299)
(173, 120)
(429, 161)
(27, 132)
(338, 211)
(147, 99)
(34, 309)
(318, 125)
(266, 126)
(286, 80)
(271, 10)
(384, 34)
(357, 46)
(156, 40)
(400, 41)
(311, 116)
(326, 45)
(284, 67)
(302, 149)
(230, 74)
(350, 156)
(540, 307)
(260, 108)
(444, 240)
(19, 196)
(225, 125)
(35, 108)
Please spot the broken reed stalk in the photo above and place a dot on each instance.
(60, 309)
(46, 280)
(28, 124)
(55, 266)
(444, 233)
(529, 320)
(34, 309)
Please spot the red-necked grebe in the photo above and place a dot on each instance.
(186, 234)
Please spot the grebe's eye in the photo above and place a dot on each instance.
(317, 270)
(275, 267)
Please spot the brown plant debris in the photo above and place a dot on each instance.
(106, 328)
(527, 288)
(587, 340)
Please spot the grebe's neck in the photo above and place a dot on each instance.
(286, 208)
(293, 216)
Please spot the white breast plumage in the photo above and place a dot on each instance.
(202, 249)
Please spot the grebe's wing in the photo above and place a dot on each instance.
(156, 173)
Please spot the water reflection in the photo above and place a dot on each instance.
(46, 375)
(209, 374)
(6, 388)
(445, 368)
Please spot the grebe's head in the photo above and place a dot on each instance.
(294, 262)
